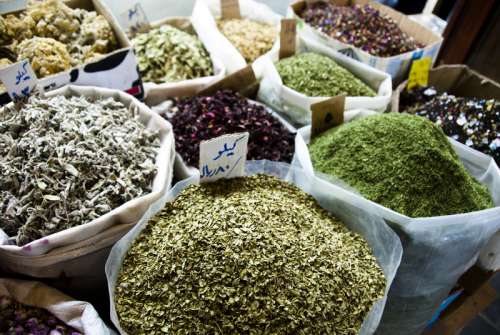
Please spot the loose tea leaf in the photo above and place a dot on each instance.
(252, 255)
(251, 38)
(67, 161)
(167, 54)
(316, 75)
(49, 31)
(362, 26)
(473, 122)
(402, 162)
(225, 112)
(18, 319)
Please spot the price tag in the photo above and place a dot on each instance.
(19, 79)
(230, 9)
(287, 38)
(135, 19)
(327, 114)
(419, 72)
(240, 81)
(223, 157)
(8, 6)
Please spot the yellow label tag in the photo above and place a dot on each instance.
(419, 72)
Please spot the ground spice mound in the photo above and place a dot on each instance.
(316, 75)
(225, 112)
(362, 26)
(402, 162)
(471, 121)
(252, 255)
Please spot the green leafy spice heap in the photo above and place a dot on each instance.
(167, 54)
(252, 255)
(402, 162)
(320, 76)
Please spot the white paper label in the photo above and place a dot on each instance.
(7, 6)
(19, 79)
(135, 18)
(223, 157)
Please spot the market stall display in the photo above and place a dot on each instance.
(229, 263)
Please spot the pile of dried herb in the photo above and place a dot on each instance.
(225, 112)
(251, 38)
(362, 26)
(403, 162)
(55, 37)
(252, 255)
(316, 75)
(19, 319)
(167, 54)
(473, 122)
(67, 161)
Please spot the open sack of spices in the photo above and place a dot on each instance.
(315, 73)
(68, 41)
(29, 307)
(170, 55)
(440, 196)
(80, 163)
(466, 105)
(226, 111)
(238, 37)
(367, 31)
(275, 251)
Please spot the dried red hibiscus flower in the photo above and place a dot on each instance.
(225, 112)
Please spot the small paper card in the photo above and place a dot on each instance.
(327, 114)
(230, 9)
(135, 19)
(19, 79)
(419, 72)
(223, 157)
(287, 38)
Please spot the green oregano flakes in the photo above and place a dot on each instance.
(316, 75)
(251, 255)
(402, 162)
(167, 54)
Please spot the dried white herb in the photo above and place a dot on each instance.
(167, 54)
(67, 161)
(251, 255)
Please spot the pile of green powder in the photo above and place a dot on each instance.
(168, 54)
(251, 255)
(402, 162)
(316, 75)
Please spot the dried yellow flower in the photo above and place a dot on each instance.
(46, 55)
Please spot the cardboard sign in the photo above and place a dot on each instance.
(419, 72)
(327, 114)
(135, 19)
(230, 9)
(242, 81)
(19, 79)
(287, 38)
(223, 157)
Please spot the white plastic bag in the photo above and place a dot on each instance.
(383, 241)
(205, 12)
(297, 106)
(193, 85)
(77, 314)
(437, 250)
(46, 256)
